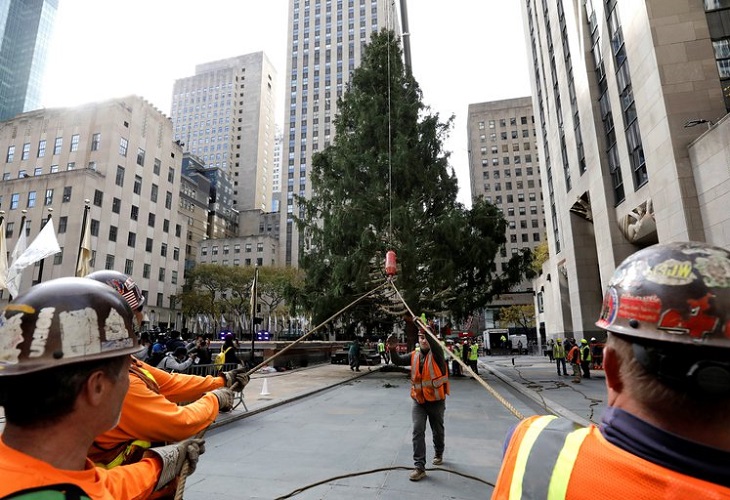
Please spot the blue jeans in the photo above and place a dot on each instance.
(434, 412)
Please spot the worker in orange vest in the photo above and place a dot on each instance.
(151, 414)
(429, 388)
(665, 434)
(63, 376)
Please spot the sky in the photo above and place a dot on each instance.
(463, 51)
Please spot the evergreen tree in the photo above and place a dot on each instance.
(385, 183)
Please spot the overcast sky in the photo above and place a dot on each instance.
(463, 51)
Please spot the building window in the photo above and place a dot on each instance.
(148, 245)
(49, 197)
(146, 271)
(260, 247)
(66, 194)
(168, 200)
(123, 145)
(140, 157)
(128, 266)
(58, 258)
(74, 143)
(95, 142)
(109, 262)
(98, 197)
(161, 275)
(151, 220)
(156, 167)
(57, 145)
(112, 233)
(166, 226)
(116, 205)
(26, 151)
(171, 175)
(160, 298)
(31, 199)
(137, 184)
(153, 193)
(120, 176)
(11, 154)
(173, 278)
(41, 148)
(175, 253)
(134, 212)
(131, 239)
(62, 224)
(163, 249)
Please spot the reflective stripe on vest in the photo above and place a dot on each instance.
(545, 458)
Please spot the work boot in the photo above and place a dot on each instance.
(417, 475)
(438, 460)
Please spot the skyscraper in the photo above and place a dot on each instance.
(25, 32)
(504, 168)
(618, 89)
(225, 116)
(325, 43)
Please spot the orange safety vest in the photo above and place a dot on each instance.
(431, 384)
(552, 458)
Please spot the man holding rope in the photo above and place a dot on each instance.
(429, 388)
(150, 413)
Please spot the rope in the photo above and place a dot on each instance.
(185, 472)
(483, 382)
(373, 471)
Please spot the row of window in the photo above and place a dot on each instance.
(508, 172)
(503, 122)
(237, 262)
(497, 186)
(57, 147)
(236, 249)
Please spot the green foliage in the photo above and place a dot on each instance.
(541, 254)
(385, 184)
(518, 315)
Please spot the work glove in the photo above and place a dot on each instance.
(225, 398)
(173, 457)
(236, 378)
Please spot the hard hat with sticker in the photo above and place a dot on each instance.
(64, 321)
(671, 292)
(123, 284)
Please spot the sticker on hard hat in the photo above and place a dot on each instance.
(609, 309)
(11, 336)
(715, 270)
(640, 308)
(671, 272)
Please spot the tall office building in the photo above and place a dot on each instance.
(118, 157)
(224, 115)
(276, 173)
(25, 32)
(619, 88)
(504, 169)
(325, 43)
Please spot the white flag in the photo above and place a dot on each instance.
(44, 245)
(3, 256)
(18, 250)
(83, 264)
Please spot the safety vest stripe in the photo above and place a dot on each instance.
(523, 454)
(565, 463)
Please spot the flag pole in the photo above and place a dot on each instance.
(40, 267)
(87, 207)
(253, 312)
(22, 228)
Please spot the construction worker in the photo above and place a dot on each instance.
(574, 359)
(664, 435)
(150, 412)
(585, 358)
(474, 357)
(429, 388)
(383, 351)
(65, 351)
(559, 355)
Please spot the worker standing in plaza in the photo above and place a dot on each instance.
(150, 413)
(559, 355)
(64, 358)
(585, 358)
(429, 388)
(664, 435)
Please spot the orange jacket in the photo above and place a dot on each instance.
(20, 471)
(431, 384)
(588, 466)
(155, 417)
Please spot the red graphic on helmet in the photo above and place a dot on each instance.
(697, 325)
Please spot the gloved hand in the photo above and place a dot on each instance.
(174, 456)
(236, 377)
(225, 398)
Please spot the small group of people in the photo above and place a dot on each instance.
(85, 417)
(579, 355)
(468, 352)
